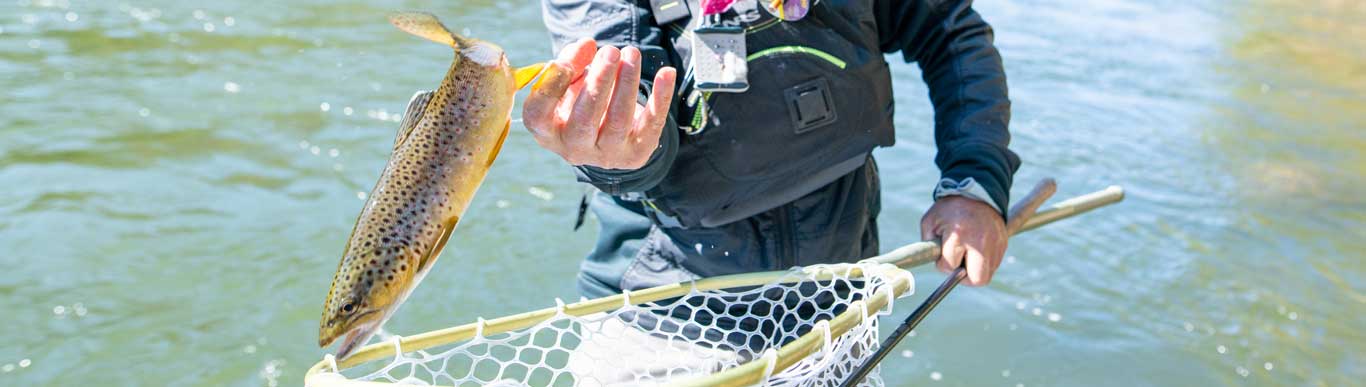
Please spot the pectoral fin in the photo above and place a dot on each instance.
(416, 106)
(526, 74)
(428, 259)
(424, 25)
(499, 146)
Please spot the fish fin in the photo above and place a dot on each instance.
(416, 106)
(525, 75)
(499, 146)
(429, 258)
(424, 25)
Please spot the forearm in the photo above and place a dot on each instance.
(954, 47)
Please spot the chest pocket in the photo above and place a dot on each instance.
(811, 102)
(819, 101)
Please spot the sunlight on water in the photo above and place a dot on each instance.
(180, 179)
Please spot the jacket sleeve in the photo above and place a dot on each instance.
(618, 23)
(953, 46)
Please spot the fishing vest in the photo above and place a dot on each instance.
(819, 101)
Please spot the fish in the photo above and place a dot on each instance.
(447, 140)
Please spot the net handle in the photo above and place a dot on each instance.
(921, 253)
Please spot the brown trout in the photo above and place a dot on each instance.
(446, 143)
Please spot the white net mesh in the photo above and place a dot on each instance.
(698, 334)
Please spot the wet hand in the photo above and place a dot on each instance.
(971, 233)
(585, 107)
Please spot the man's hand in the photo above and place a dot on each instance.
(594, 118)
(967, 229)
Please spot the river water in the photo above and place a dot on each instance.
(177, 182)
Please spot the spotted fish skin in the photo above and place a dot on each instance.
(447, 142)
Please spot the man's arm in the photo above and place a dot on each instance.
(953, 46)
(632, 149)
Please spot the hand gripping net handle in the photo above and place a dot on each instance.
(324, 372)
(921, 253)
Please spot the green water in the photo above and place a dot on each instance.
(174, 196)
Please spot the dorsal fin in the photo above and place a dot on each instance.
(424, 25)
(416, 106)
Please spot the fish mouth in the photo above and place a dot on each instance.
(356, 338)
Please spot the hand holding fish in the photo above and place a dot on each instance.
(596, 118)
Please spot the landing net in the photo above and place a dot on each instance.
(802, 327)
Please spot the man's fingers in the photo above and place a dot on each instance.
(622, 108)
(538, 111)
(943, 266)
(651, 121)
(979, 270)
(951, 252)
(581, 129)
(577, 56)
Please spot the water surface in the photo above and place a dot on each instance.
(178, 182)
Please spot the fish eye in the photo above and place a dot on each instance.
(349, 307)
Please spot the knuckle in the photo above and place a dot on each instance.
(583, 145)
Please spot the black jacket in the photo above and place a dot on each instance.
(950, 42)
(813, 190)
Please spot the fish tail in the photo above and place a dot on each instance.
(426, 26)
(525, 75)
